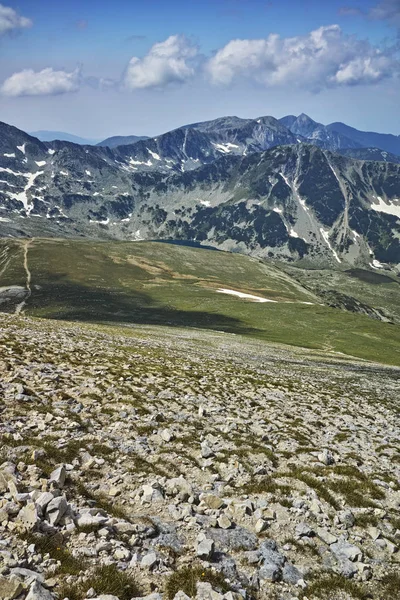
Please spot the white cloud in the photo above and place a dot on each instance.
(386, 10)
(41, 83)
(325, 57)
(166, 62)
(10, 20)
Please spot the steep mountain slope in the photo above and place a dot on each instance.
(293, 202)
(122, 140)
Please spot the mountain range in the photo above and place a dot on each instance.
(290, 189)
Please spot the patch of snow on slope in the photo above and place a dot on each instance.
(243, 295)
(40, 163)
(376, 264)
(278, 210)
(51, 151)
(64, 173)
(105, 222)
(205, 203)
(154, 154)
(292, 233)
(325, 235)
(9, 155)
(225, 148)
(21, 196)
(295, 191)
(22, 148)
(88, 173)
(389, 208)
(138, 162)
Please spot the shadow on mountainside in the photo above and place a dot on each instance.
(71, 301)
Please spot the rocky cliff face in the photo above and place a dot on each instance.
(292, 202)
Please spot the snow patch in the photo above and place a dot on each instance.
(325, 235)
(22, 148)
(64, 173)
(88, 173)
(387, 207)
(243, 295)
(225, 148)
(293, 234)
(40, 163)
(22, 196)
(139, 162)
(278, 210)
(51, 151)
(376, 264)
(105, 222)
(154, 154)
(9, 155)
(205, 203)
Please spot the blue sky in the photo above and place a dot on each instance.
(100, 68)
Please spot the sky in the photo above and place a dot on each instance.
(97, 68)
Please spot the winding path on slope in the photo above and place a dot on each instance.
(21, 305)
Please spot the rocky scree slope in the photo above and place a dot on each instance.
(163, 463)
(290, 202)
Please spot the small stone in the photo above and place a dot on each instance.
(206, 451)
(346, 518)
(261, 526)
(149, 560)
(205, 549)
(224, 522)
(58, 476)
(326, 537)
(212, 501)
(374, 533)
(326, 457)
(9, 588)
(343, 549)
(56, 509)
(166, 435)
(38, 592)
(28, 516)
(114, 491)
(303, 530)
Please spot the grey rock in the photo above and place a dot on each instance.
(303, 530)
(38, 592)
(56, 509)
(9, 588)
(205, 548)
(345, 550)
(326, 457)
(149, 560)
(290, 574)
(58, 476)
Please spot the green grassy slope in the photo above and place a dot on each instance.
(162, 284)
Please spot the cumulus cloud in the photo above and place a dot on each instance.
(325, 57)
(10, 20)
(166, 62)
(47, 82)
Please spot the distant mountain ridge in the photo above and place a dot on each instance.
(245, 185)
(50, 136)
(122, 140)
(338, 136)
